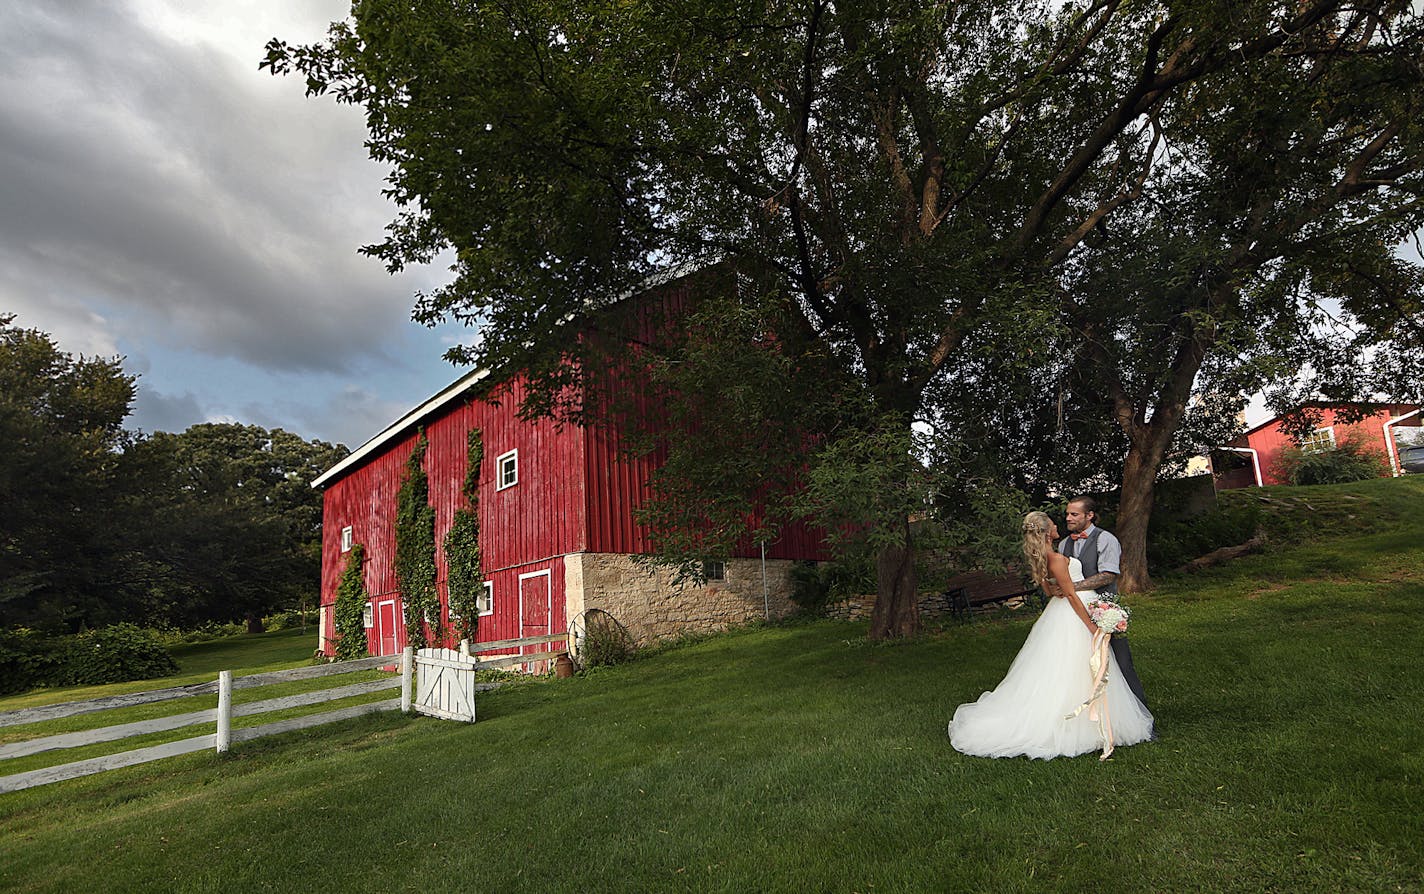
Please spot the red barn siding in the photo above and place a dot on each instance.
(1269, 441)
(537, 520)
(576, 491)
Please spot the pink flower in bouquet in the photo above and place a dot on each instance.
(1109, 616)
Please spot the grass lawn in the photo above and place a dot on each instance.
(1287, 685)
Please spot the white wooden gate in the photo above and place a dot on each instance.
(445, 684)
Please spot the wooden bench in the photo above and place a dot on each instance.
(971, 589)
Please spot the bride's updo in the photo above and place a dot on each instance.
(1036, 547)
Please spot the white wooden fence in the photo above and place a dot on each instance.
(446, 684)
(447, 689)
(220, 740)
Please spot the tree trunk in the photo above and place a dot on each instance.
(254, 624)
(897, 611)
(1134, 511)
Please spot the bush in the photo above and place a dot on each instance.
(114, 655)
(814, 585)
(27, 659)
(810, 590)
(286, 620)
(1351, 460)
(605, 641)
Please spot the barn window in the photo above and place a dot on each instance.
(483, 602)
(1320, 440)
(368, 616)
(347, 539)
(714, 570)
(508, 469)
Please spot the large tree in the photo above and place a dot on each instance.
(1261, 254)
(62, 555)
(902, 186)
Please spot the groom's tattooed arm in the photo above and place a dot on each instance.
(1096, 582)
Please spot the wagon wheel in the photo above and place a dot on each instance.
(596, 637)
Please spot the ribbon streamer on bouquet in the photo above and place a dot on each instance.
(1097, 703)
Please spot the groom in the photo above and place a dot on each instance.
(1101, 556)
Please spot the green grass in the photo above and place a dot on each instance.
(1287, 687)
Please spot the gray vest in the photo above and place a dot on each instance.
(1088, 555)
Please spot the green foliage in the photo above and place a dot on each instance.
(287, 620)
(28, 659)
(816, 584)
(1173, 541)
(605, 641)
(64, 487)
(464, 579)
(809, 589)
(115, 654)
(351, 601)
(234, 525)
(415, 551)
(1351, 460)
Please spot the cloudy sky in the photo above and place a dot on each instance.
(163, 200)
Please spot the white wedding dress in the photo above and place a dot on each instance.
(1028, 712)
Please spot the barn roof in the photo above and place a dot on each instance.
(1394, 409)
(469, 380)
(402, 425)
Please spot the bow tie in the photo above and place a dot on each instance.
(1081, 535)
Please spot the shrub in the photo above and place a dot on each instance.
(810, 590)
(816, 584)
(114, 654)
(605, 641)
(1351, 460)
(286, 620)
(27, 659)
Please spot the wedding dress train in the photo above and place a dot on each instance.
(1028, 713)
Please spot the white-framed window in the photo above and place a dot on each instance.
(368, 616)
(507, 470)
(484, 602)
(1320, 440)
(348, 539)
(714, 570)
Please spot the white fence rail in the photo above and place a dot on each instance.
(222, 716)
(447, 689)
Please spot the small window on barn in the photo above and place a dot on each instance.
(714, 570)
(1320, 440)
(507, 468)
(487, 599)
(368, 616)
(347, 539)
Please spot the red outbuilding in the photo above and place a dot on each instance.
(557, 530)
(1258, 452)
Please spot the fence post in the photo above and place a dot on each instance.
(407, 677)
(223, 740)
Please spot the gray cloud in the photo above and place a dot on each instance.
(154, 189)
(153, 411)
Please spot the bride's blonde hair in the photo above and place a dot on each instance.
(1036, 546)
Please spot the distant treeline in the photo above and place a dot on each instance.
(102, 525)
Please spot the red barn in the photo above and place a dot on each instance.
(557, 530)
(1261, 447)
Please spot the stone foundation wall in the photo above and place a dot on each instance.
(646, 601)
(858, 608)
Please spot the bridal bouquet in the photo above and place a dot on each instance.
(1109, 616)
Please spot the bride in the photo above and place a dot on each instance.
(1034, 711)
